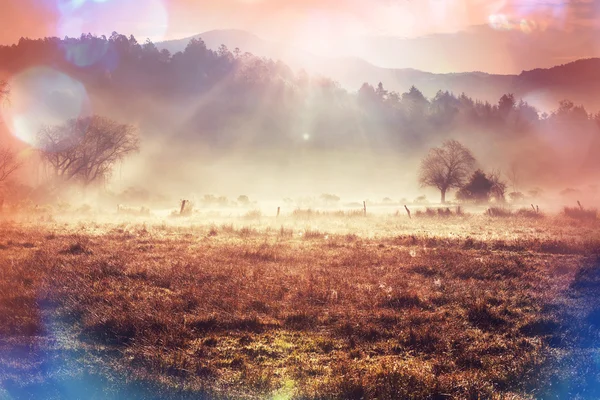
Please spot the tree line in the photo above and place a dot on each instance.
(221, 98)
(282, 104)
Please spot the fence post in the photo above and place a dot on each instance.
(278, 211)
(407, 211)
(183, 203)
(365, 208)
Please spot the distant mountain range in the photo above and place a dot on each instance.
(578, 81)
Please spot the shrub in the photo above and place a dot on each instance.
(253, 215)
(304, 213)
(313, 234)
(480, 187)
(580, 213)
(243, 200)
(499, 212)
(528, 213)
(439, 212)
(516, 197)
(421, 200)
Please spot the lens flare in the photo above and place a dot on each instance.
(499, 22)
(527, 26)
(42, 97)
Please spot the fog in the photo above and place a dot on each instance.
(215, 123)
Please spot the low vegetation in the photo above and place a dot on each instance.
(580, 213)
(273, 309)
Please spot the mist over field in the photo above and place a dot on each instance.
(228, 123)
(299, 200)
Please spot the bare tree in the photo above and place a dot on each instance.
(446, 167)
(86, 149)
(513, 175)
(9, 163)
(498, 190)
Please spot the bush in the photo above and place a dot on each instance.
(253, 215)
(516, 197)
(580, 213)
(528, 213)
(499, 212)
(421, 200)
(243, 200)
(439, 212)
(305, 214)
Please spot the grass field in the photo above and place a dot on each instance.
(307, 307)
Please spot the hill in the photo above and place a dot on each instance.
(541, 87)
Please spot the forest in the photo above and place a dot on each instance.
(227, 101)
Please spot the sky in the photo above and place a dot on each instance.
(284, 19)
(320, 26)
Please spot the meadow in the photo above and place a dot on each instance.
(305, 306)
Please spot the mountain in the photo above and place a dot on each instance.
(246, 42)
(543, 88)
(351, 72)
(479, 48)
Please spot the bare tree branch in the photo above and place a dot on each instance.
(514, 176)
(86, 149)
(9, 163)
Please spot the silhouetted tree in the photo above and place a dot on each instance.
(506, 104)
(498, 190)
(9, 163)
(514, 176)
(86, 149)
(446, 167)
(415, 102)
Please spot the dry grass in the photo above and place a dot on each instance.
(439, 212)
(222, 311)
(308, 214)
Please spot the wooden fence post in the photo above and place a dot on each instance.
(278, 211)
(365, 208)
(407, 211)
(183, 203)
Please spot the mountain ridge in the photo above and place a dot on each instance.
(542, 87)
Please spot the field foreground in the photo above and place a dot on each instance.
(253, 311)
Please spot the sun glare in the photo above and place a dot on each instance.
(41, 97)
